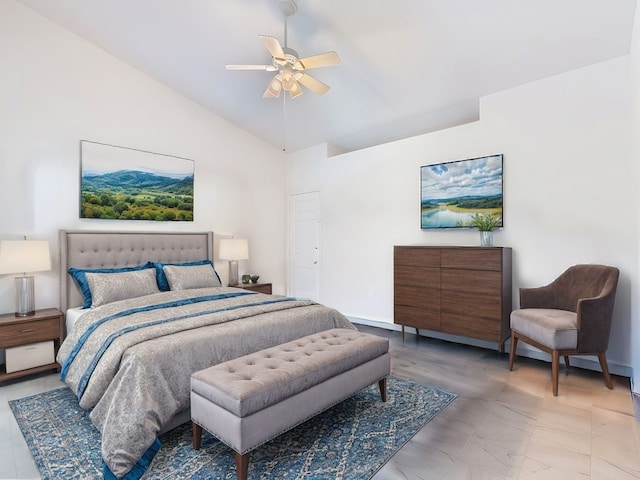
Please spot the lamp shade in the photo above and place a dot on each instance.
(234, 249)
(22, 256)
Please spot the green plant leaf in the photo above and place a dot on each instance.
(484, 222)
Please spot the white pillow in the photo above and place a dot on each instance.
(111, 287)
(192, 276)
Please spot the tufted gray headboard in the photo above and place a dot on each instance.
(100, 249)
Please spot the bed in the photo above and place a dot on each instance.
(144, 310)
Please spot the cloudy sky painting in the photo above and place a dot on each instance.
(99, 158)
(475, 177)
(451, 193)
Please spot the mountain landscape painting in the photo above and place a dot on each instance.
(451, 193)
(119, 183)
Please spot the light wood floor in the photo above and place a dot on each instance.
(503, 425)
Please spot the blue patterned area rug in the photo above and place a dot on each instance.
(350, 441)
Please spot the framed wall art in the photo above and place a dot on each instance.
(452, 192)
(120, 183)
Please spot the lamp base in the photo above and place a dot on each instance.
(25, 298)
(233, 272)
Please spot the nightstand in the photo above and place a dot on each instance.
(256, 287)
(29, 333)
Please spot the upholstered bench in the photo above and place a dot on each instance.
(250, 400)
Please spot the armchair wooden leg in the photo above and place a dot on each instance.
(566, 361)
(605, 370)
(512, 351)
(555, 367)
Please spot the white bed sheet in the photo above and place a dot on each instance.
(72, 316)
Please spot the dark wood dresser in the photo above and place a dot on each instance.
(458, 290)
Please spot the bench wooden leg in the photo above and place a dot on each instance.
(197, 435)
(382, 384)
(242, 465)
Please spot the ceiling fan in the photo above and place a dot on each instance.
(289, 67)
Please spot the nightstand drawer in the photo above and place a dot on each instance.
(29, 356)
(29, 332)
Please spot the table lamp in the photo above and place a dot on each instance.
(234, 249)
(24, 256)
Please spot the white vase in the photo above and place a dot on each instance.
(486, 239)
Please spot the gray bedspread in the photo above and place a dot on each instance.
(130, 361)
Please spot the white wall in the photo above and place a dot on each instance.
(56, 89)
(569, 194)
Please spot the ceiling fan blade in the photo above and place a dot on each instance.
(321, 60)
(274, 88)
(313, 84)
(268, 68)
(274, 47)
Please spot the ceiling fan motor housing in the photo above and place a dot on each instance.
(290, 54)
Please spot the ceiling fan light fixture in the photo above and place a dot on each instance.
(274, 88)
(295, 90)
(287, 80)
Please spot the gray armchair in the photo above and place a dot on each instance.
(570, 316)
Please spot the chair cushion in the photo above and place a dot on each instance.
(556, 329)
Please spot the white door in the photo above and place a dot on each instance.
(304, 245)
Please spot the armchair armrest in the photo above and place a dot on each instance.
(539, 297)
(594, 322)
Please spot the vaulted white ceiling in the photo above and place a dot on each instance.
(408, 66)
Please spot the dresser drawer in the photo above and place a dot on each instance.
(472, 304)
(405, 275)
(474, 327)
(472, 258)
(417, 296)
(29, 332)
(29, 356)
(483, 283)
(417, 256)
(417, 317)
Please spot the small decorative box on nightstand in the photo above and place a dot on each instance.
(256, 287)
(31, 342)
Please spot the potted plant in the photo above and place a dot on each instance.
(486, 223)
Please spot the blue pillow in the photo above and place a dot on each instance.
(161, 278)
(78, 275)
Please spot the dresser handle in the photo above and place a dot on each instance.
(28, 330)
